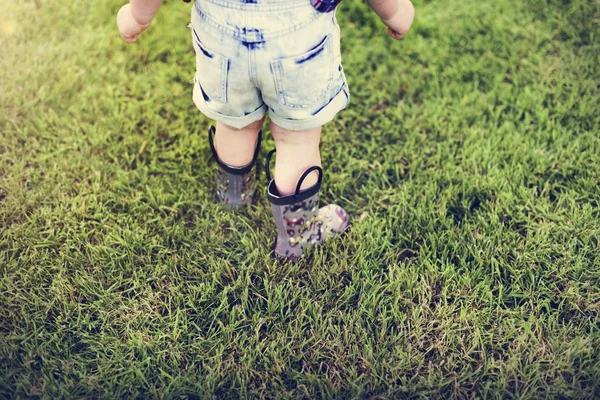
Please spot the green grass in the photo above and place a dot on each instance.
(469, 161)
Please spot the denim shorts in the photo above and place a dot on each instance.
(276, 56)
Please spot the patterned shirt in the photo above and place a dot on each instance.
(320, 5)
(325, 5)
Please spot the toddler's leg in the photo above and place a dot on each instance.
(299, 220)
(234, 146)
(296, 152)
(235, 151)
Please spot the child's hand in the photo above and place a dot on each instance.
(128, 26)
(399, 23)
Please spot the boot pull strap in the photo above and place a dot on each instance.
(301, 180)
(268, 165)
(306, 173)
(257, 150)
(211, 134)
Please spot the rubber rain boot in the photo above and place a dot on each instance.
(300, 222)
(235, 185)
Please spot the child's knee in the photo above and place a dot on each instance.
(254, 127)
(285, 136)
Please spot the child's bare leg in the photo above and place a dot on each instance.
(234, 146)
(235, 151)
(296, 152)
(299, 220)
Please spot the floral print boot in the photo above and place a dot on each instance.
(235, 185)
(300, 222)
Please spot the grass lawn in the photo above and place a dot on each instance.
(469, 161)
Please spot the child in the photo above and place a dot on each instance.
(280, 57)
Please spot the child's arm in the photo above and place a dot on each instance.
(397, 15)
(136, 17)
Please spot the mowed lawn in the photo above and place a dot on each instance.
(469, 161)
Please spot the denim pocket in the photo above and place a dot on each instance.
(211, 71)
(304, 81)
